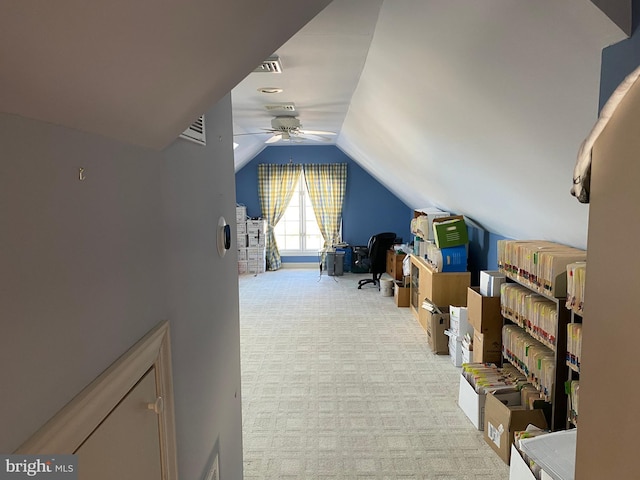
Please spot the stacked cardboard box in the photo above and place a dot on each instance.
(502, 421)
(486, 319)
(251, 242)
(490, 282)
(458, 327)
(401, 291)
(477, 379)
(435, 323)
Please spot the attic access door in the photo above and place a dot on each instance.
(121, 425)
(130, 434)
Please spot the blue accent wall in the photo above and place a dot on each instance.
(368, 208)
(483, 252)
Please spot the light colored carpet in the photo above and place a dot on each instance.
(339, 383)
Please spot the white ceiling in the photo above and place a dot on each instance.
(322, 64)
(476, 107)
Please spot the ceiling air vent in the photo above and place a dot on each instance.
(196, 132)
(281, 108)
(270, 65)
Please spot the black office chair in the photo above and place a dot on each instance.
(376, 259)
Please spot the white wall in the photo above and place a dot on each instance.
(88, 267)
(203, 298)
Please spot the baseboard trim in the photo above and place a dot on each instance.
(304, 265)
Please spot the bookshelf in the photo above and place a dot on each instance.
(540, 350)
(576, 281)
(535, 301)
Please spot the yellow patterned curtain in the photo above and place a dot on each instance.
(276, 184)
(326, 184)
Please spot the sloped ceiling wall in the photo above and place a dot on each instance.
(479, 108)
(140, 71)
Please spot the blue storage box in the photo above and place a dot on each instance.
(454, 259)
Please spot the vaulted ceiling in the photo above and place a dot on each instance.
(477, 107)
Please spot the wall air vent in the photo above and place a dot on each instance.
(196, 132)
(270, 65)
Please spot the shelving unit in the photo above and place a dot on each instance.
(573, 376)
(251, 242)
(576, 274)
(557, 396)
(540, 267)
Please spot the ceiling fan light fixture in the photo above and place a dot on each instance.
(270, 90)
(285, 123)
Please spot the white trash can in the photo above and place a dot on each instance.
(386, 287)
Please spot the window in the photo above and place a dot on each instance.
(298, 231)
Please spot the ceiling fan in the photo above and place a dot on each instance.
(289, 128)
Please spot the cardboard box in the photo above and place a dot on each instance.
(401, 295)
(518, 468)
(241, 213)
(483, 312)
(435, 324)
(242, 241)
(454, 259)
(243, 267)
(455, 349)
(473, 403)
(255, 254)
(458, 318)
(256, 240)
(467, 354)
(490, 282)
(501, 421)
(487, 348)
(450, 231)
(423, 225)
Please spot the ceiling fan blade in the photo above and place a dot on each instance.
(265, 131)
(315, 137)
(276, 138)
(317, 132)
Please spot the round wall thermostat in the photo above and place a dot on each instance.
(224, 236)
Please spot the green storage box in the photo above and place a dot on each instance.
(450, 232)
